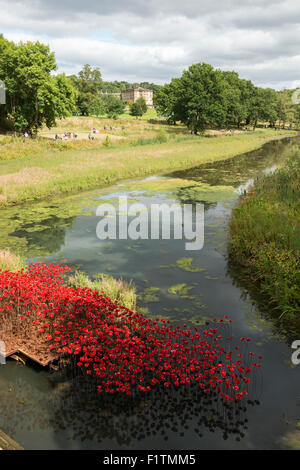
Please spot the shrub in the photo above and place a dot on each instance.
(265, 237)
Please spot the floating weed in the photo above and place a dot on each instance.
(199, 304)
(186, 265)
(291, 440)
(148, 295)
(180, 289)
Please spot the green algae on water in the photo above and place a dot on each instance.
(180, 289)
(185, 264)
(148, 295)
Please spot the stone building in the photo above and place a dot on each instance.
(136, 92)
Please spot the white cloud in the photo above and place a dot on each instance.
(155, 40)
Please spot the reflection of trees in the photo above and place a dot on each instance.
(237, 170)
(75, 407)
(44, 241)
(192, 195)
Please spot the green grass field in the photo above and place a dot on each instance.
(31, 169)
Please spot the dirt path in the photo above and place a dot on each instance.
(83, 136)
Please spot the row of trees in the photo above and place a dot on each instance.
(118, 86)
(207, 97)
(108, 105)
(96, 97)
(202, 97)
(34, 96)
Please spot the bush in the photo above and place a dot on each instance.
(116, 289)
(265, 238)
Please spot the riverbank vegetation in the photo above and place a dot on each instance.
(47, 172)
(10, 261)
(265, 239)
(202, 98)
(119, 291)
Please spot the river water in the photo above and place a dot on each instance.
(41, 411)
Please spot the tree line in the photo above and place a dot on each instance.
(204, 97)
(34, 96)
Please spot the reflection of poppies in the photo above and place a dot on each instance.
(159, 412)
(43, 237)
(74, 410)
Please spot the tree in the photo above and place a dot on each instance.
(269, 106)
(34, 96)
(113, 106)
(235, 99)
(285, 108)
(166, 101)
(138, 108)
(97, 107)
(88, 84)
(201, 97)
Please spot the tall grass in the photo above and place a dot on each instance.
(10, 261)
(265, 238)
(14, 147)
(47, 168)
(119, 291)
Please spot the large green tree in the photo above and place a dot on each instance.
(286, 110)
(202, 101)
(236, 99)
(166, 101)
(97, 107)
(113, 106)
(34, 96)
(88, 84)
(197, 99)
(138, 108)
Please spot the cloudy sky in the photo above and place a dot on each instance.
(155, 40)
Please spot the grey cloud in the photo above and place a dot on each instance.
(155, 40)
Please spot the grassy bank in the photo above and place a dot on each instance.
(49, 172)
(265, 239)
(117, 290)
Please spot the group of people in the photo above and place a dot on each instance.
(113, 128)
(91, 135)
(66, 136)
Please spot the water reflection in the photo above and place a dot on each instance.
(158, 416)
(42, 411)
(237, 170)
